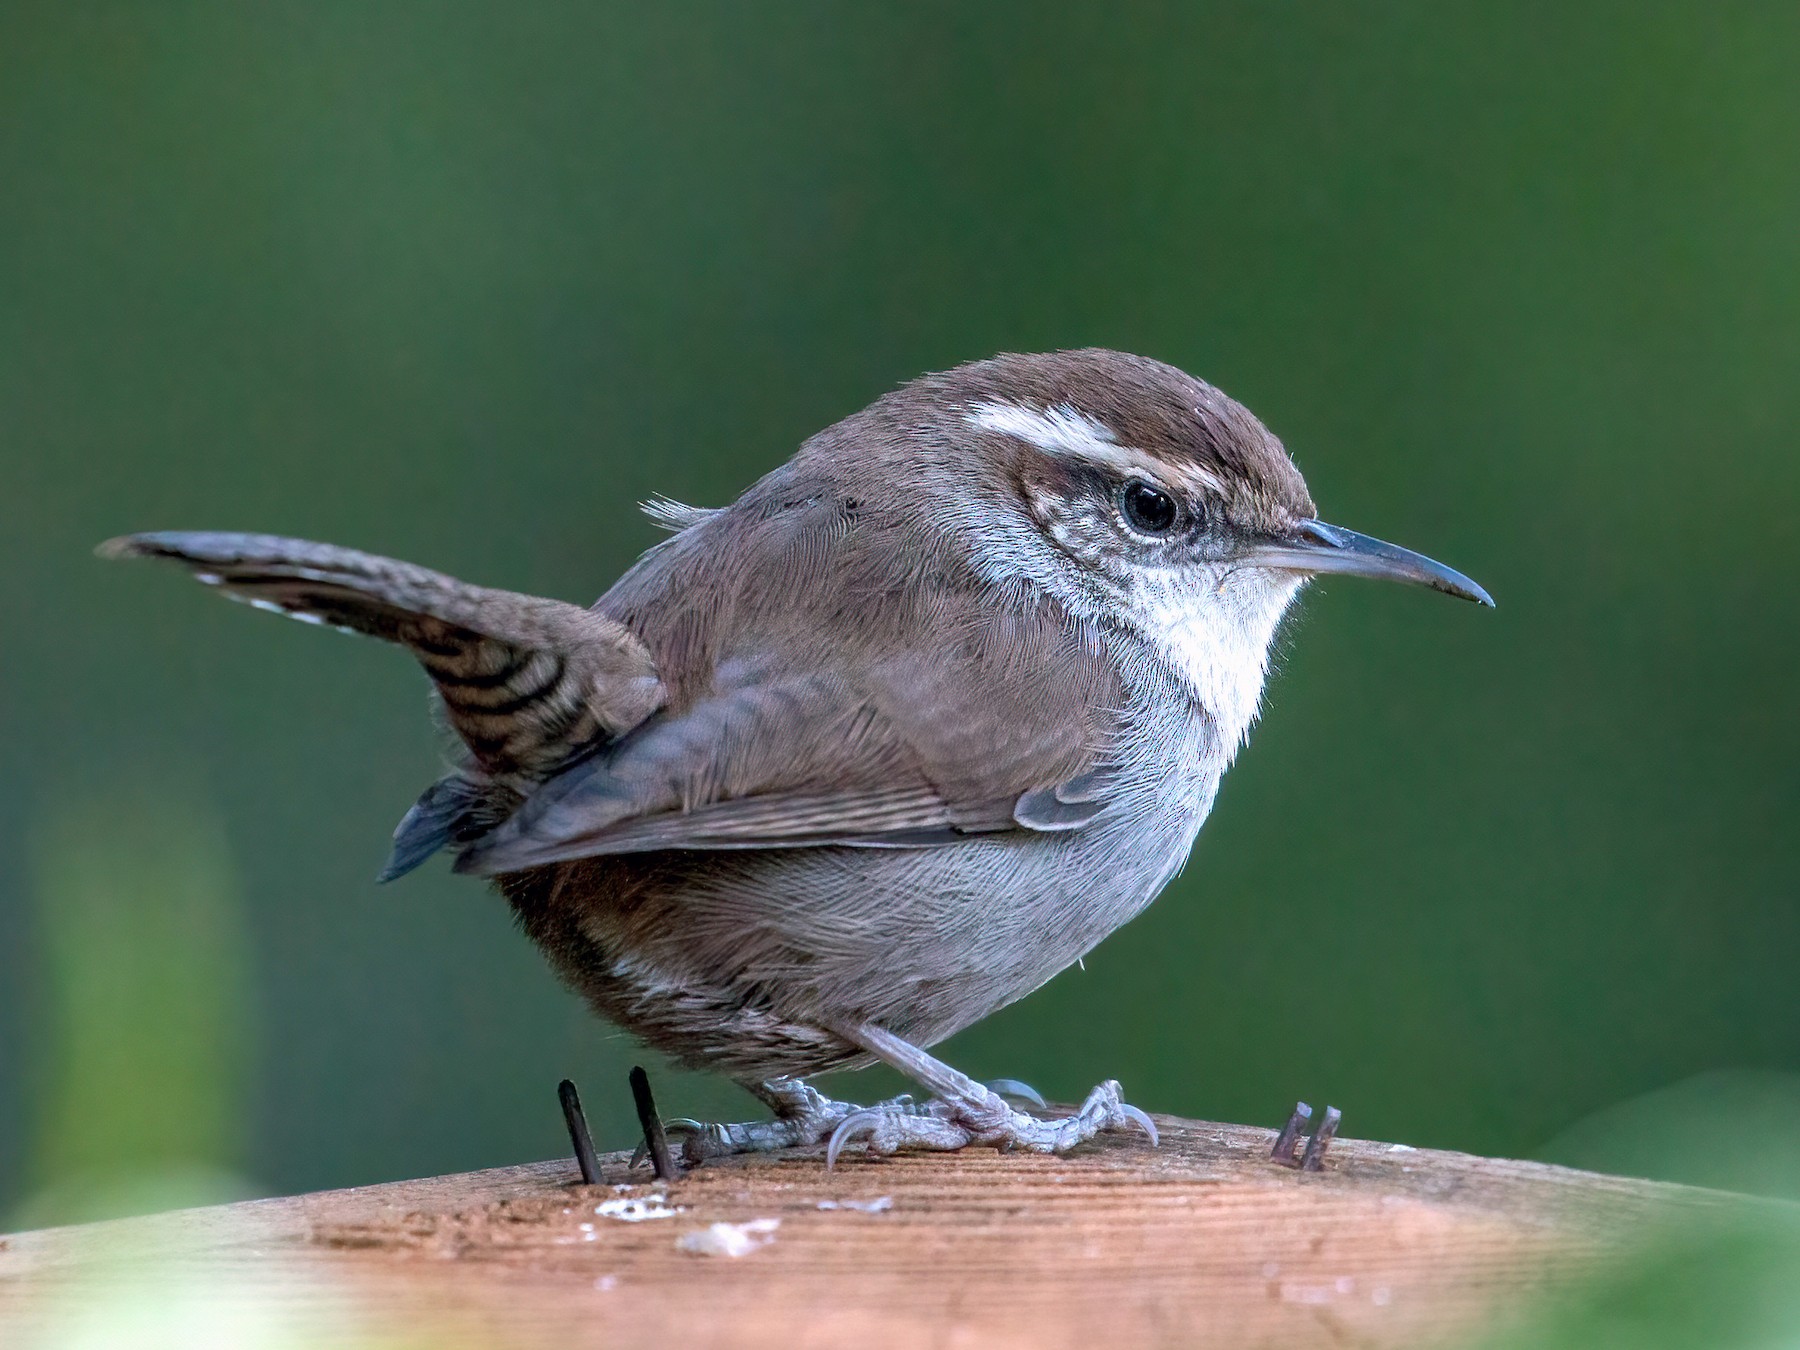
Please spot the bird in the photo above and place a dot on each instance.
(836, 771)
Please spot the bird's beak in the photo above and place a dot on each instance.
(1315, 547)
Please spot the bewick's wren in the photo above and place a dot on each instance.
(840, 769)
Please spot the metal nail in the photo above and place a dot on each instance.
(1314, 1161)
(1289, 1138)
(654, 1138)
(578, 1132)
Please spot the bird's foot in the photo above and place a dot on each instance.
(804, 1117)
(983, 1116)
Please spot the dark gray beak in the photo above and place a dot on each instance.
(1316, 547)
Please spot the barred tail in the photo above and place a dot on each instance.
(527, 682)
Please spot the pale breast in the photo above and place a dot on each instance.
(1214, 628)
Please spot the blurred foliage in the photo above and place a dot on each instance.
(139, 1097)
(1725, 1281)
(1717, 1285)
(134, 1297)
(1518, 283)
(1734, 1130)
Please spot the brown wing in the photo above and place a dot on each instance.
(1003, 725)
(837, 672)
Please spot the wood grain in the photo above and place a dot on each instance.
(1202, 1242)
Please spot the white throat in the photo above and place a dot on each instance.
(1215, 628)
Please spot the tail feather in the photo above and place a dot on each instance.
(527, 682)
(455, 811)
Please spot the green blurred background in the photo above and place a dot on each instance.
(1518, 284)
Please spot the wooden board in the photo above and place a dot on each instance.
(1202, 1242)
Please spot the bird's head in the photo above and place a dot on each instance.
(1150, 496)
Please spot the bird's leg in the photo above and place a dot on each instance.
(963, 1112)
(803, 1116)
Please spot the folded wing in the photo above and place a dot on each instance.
(912, 750)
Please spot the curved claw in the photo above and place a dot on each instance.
(855, 1123)
(1142, 1121)
(1023, 1092)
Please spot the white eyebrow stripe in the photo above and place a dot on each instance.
(1062, 430)
(1058, 430)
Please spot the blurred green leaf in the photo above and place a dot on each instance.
(146, 1032)
(1730, 1129)
(1713, 1286)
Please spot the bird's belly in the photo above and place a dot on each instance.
(999, 921)
(736, 960)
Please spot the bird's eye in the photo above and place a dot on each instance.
(1146, 509)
